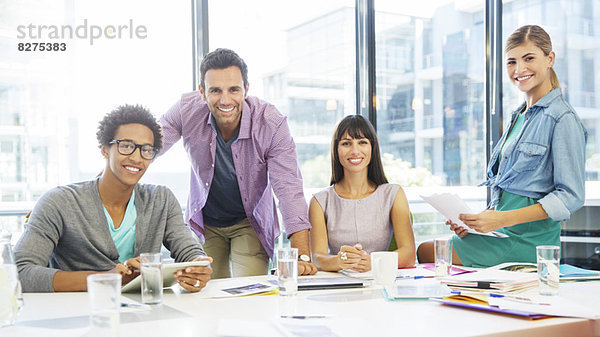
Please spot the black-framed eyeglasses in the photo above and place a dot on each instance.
(127, 147)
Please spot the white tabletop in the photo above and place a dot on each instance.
(349, 312)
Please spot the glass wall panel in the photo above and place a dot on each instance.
(301, 58)
(430, 116)
(115, 52)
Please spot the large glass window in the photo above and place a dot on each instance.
(576, 42)
(430, 118)
(301, 58)
(51, 101)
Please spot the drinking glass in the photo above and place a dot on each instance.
(443, 256)
(104, 292)
(152, 280)
(548, 258)
(287, 271)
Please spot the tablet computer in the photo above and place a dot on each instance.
(167, 272)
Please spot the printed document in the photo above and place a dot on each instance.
(451, 205)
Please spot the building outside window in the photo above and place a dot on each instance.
(430, 72)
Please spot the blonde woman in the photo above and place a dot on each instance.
(536, 171)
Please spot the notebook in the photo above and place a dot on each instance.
(492, 280)
(480, 303)
(567, 271)
(315, 283)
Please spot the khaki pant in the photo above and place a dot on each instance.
(235, 250)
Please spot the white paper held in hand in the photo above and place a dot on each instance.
(451, 205)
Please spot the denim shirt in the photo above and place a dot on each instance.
(546, 161)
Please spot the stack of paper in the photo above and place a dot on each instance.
(532, 307)
(492, 280)
(480, 302)
(451, 205)
(316, 283)
(567, 272)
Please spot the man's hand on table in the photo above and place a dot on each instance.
(306, 268)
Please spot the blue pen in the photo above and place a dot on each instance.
(411, 277)
(517, 298)
(508, 297)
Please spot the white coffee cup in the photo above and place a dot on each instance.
(384, 266)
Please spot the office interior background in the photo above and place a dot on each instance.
(426, 75)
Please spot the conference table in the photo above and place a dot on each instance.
(339, 312)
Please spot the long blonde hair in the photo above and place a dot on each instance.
(540, 38)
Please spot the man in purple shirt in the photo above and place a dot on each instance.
(241, 151)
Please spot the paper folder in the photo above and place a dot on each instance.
(478, 303)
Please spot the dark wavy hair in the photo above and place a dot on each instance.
(357, 127)
(128, 114)
(222, 58)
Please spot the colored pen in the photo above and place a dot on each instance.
(133, 305)
(508, 297)
(302, 316)
(412, 277)
(518, 298)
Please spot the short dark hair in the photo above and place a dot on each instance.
(222, 58)
(128, 114)
(357, 127)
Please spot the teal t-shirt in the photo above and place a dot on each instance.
(124, 236)
(514, 132)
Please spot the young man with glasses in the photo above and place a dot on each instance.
(241, 152)
(102, 225)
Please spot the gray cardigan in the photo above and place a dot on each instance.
(67, 230)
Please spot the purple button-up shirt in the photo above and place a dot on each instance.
(265, 161)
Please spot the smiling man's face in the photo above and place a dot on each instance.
(224, 92)
(128, 169)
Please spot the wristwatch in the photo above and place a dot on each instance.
(304, 258)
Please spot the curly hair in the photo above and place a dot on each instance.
(128, 114)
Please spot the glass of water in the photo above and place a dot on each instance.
(152, 281)
(548, 258)
(287, 271)
(104, 291)
(443, 256)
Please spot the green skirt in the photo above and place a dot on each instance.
(486, 251)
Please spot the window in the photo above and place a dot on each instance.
(430, 117)
(300, 57)
(576, 46)
(51, 101)
(429, 81)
